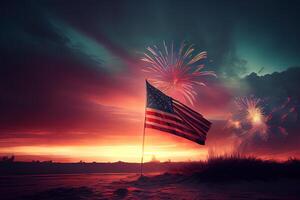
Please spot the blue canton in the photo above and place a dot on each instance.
(158, 100)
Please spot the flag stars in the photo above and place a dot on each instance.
(158, 100)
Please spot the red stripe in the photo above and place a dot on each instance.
(192, 112)
(198, 140)
(197, 121)
(171, 125)
(163, 116)
(196, 117)
(192, 122)
(187, 109)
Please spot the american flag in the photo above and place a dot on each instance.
(169, 115)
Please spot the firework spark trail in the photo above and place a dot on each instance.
(286, 114)
(176, 72)
(276, 109)
(282, 112)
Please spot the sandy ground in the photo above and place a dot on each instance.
(126, 186)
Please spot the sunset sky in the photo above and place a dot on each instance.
(72, 87)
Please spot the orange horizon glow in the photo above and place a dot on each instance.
(109, 153)
(112, 132)
(106, 153)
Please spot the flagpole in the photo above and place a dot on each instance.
(143, 145)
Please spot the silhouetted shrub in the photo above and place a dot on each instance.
(236, 167)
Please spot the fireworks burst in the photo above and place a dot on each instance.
(250, 118)
(176, 71)
(253, 110)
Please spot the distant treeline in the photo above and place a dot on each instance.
(49, 167)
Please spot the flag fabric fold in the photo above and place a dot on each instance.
(166, 114)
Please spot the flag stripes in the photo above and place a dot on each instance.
(172, 124)
(166, 114)
(191, 121)
(175, 132)
(166, 120)
(192, 113)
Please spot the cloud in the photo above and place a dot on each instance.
(82, 44)
(281, 98)
(52, 74)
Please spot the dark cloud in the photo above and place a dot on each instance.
(278, 85)
(280, 100)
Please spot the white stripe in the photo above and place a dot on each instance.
(175, 129)
(163, 113)
(198, 130)
(169, 121)
(187, 108)
(183, 124)
(196, 119)
(189, 113)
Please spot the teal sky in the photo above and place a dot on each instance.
(262, 52)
